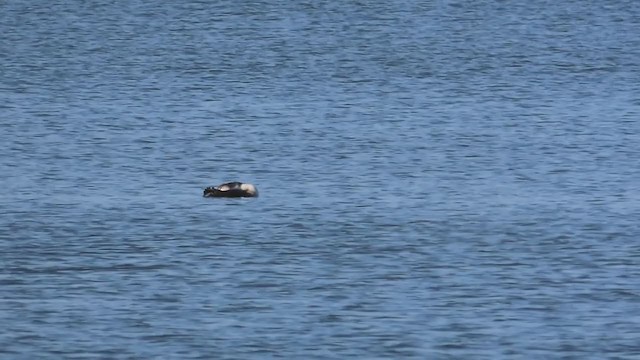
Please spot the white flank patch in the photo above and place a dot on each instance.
(249, 188)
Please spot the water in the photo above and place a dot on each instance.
(438, 180)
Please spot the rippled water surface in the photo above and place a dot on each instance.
(439, 180)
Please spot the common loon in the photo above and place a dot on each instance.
(231, 189)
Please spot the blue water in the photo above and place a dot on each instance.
(443, 180)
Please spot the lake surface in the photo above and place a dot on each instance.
(439, 180)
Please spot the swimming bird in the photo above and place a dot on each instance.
(231, 189)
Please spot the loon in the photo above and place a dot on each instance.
(231, 189)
